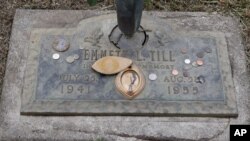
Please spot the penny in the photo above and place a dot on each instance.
(70, 59)
(187, 61)
(200, 54)
(152, 76)
(185, 73)
(183, 50)
(56, 56)
(111, 64)
(199, 62)
(60, 45)
(175, 72)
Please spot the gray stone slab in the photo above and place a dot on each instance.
(14, 126)
(73, 88)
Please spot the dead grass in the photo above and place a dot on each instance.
(240, 8)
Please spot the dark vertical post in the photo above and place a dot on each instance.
(129, 14)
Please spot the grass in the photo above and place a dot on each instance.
(239, 8)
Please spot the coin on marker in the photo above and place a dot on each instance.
(185, 73)
(76, 56)
(183, 50)
(199, 62)
(175, 72)
(194, 64)
(60, 44)
(56, 56)
(70, 59)
(200, 54)
(152, 76)
(187, 61)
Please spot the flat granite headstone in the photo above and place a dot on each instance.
(69, 86)
(197, 104)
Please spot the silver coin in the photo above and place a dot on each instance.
(70, 59)
(187, 61)
(152, 76)
(56, 56)
(76, 56)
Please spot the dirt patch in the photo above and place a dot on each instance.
(233, 7)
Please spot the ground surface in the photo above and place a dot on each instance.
(239, 8)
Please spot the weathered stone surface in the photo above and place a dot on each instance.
(71, 87)
(14, 126)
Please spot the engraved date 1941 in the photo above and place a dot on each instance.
(74, 89)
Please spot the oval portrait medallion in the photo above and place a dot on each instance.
(130, 82)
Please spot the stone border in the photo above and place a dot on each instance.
(31, 106)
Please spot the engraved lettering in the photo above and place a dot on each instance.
(158, 55)
(139, 57)
(185, 90)
(152, 55)
(195, 90)
(176, 90)
(111, 53)
(117, 52)
(180, 79)
(164, 58)
(74, 89)
(103, 53)
(70, 89)
(86, 54)
(77, 76)
(171, 56)
(80, 89)
(94, 55)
